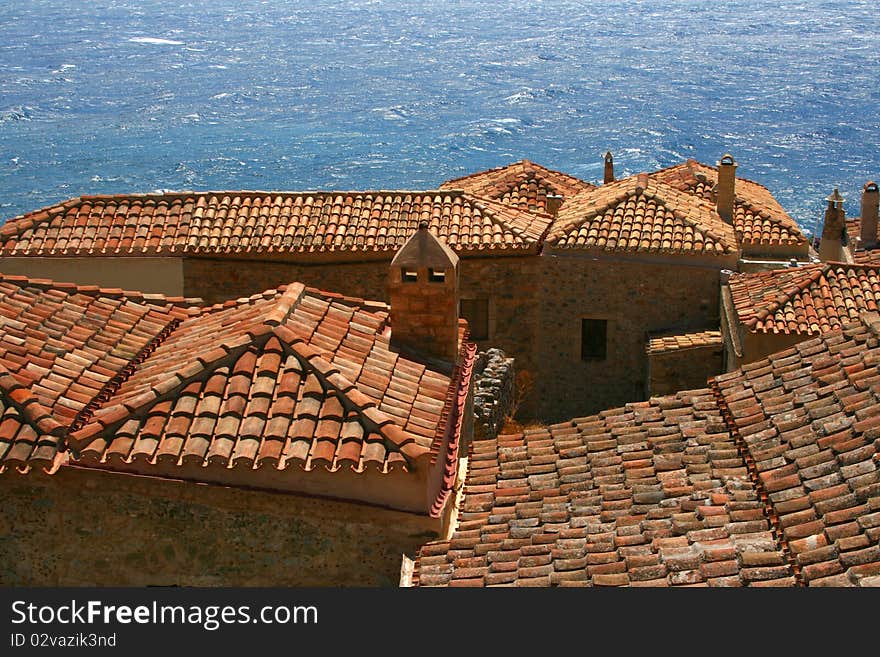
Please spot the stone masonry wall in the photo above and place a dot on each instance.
(494, 380)
(510, 284)
(635, 298)
(82, 527)
(217, 280)
(683, 369)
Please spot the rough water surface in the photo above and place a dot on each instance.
(116, 96)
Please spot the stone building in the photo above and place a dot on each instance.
(568, 277)
(768, 311)
(767, 477)
(294, 437)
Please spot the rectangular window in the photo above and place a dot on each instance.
(409, 275)
(594, 335)
(476, 312)
(436, 275)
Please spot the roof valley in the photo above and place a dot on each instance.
(754, 476)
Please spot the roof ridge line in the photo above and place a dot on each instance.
(86, 416)
(754, 476)
(285, 304)
(495, 215)
(665, 188)
(787, 293)
(351, 398)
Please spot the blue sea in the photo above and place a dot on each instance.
(113, 96)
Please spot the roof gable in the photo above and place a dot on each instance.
(321, 369)
(638, 214)
(522, 184)
(758, 218)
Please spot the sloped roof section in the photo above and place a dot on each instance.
(62, 345)
(29, 435)
(267, 223)
(768, 478)
(806, 300)
(524, 185)
(280, 379)
(758, 218)
(651, 494)
(809, 417)
(641, 215)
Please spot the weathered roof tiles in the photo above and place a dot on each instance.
(771, 477)
(640, 214)
(805, 300)
(267, 223)
(522, 184)
(671, 341)
(758, 218)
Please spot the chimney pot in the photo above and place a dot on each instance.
(725, 190)
(609, 167)
(833, 230)
(554, 202)
(868, 221)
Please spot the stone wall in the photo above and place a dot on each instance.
(494, 379)
(509, 284)
(683, 369)
(216, 280)
(635, 298)
(84, 527)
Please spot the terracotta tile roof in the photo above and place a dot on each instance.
(805, 300)
(853, 228)
(768, 478)
(641, 214)
(290, 377)
(61, 345)
(651, 494)
(809, 417)
(758, 218)
(286, 378)
(659, 343)
(267, 223)
(523, 184)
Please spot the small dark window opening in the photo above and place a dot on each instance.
(409, 275)
(594, 335)
(436, 275)
(476, 312)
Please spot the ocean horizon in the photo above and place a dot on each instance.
(117, 96)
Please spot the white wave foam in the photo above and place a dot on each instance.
(155, 41)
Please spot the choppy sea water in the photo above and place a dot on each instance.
(113, 96)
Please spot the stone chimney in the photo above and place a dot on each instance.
(870, 202)
(609, 167)
(725, 190)
(833, 230)
(554, 202)
(423, 287)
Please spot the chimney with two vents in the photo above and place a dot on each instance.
(870, 202)
(609, 167)
(833, 230)
(554, 202)
(423, 288)
(725, 191)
